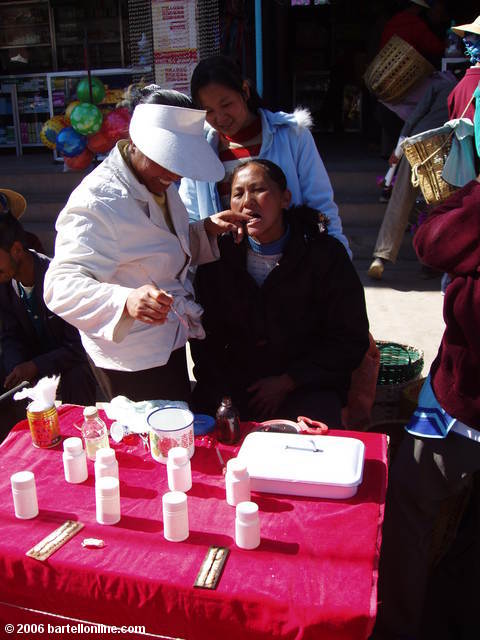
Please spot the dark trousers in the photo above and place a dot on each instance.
(77, 385)
(316, 404)
(428, 482)
(168, 382)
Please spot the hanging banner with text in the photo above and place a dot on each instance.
(174, 43)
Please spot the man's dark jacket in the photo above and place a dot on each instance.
(308, 319)
(18, 338)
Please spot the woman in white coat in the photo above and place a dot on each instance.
(123, 249)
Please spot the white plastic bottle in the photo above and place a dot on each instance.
(74, 461)
(237, 482)
(106, 463)
(24, 495)
(175, 516)
(247, 525)
(179, 469)
(94, 432)
(107, 498)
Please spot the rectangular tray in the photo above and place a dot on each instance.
(304, 465)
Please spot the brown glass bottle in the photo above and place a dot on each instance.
(227, 422)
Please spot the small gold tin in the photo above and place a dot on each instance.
(44, 427)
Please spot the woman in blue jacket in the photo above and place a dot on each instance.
(239, 129)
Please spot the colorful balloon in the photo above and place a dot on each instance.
(116, 124)
(100, 142)
(50, 131)
(70, 143)
(86, 119)
(80, 162)
(83, 90)
(69, 109)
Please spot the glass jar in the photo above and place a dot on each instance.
(227, 422)
(94, 432)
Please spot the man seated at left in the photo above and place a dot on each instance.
(34, 342)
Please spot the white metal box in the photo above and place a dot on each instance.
(303, 465)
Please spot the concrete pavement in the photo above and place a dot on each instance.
(404, 308)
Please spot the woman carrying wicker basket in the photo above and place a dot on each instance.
(462, 93)
(431, 112)
(411, 26)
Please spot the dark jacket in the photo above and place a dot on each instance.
(18, 338)
(308, 319)
(449, 240)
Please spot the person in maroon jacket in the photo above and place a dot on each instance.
(461, 95)
(435, 463)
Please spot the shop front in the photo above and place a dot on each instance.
(46, 46)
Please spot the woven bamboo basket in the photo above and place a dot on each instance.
(395, 71)
(399, 363)
(427, 153)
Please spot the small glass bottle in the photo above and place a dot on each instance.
(94, 432)
(179, 470)
(237, 482)
(74, 461)
(247, 525)
(106, 463)
(227, 422)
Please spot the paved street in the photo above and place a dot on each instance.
(404, 308)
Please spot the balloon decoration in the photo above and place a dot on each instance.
(69, 109)
(100, 142)
(70, 143)
(81, 161)
(50, 131)
(116, 124)
(83, 90)
(84, 129)
(86, 119)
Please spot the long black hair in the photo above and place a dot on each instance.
(224, 71)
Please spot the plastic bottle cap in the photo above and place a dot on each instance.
(178, 456)
(203, 423)
(22, 480)
(236, 467)
(90, 412)
(117, 432)
(174, 501)
(247, 512)
(105, 456)
(107, 486)
(74, 446)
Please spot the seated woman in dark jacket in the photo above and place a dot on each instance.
(285, 316)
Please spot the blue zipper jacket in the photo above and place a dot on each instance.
(287, 141)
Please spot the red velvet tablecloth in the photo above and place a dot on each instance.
(313, 576)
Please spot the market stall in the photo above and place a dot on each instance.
(313, 575)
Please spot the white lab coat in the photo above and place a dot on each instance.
(111, 239)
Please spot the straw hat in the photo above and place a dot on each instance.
(473, 27)
(422, 3)
(173, 138)
(16, 201)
